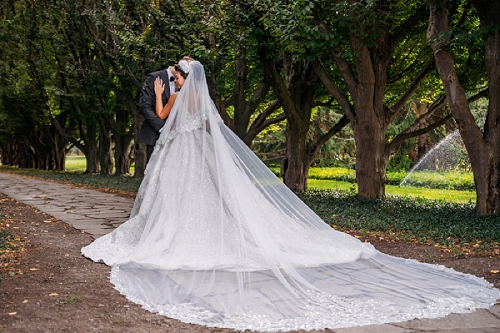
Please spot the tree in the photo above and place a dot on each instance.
(483, 146)
(376, 31)
(27, 72)
(297, 88)
(371, 57)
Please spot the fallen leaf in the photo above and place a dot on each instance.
(53, 294)
(495, 271)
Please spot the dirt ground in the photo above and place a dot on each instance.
(47, 286)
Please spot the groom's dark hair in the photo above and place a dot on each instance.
(187, 58)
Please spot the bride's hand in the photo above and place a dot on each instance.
(159, 87)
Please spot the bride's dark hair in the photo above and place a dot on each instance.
(178, 68)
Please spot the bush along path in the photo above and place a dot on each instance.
(451, 226)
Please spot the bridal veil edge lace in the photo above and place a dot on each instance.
(216, 239)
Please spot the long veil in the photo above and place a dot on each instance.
(215, 238)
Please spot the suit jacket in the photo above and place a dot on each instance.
(150, 130)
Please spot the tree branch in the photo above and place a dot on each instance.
(398, 106)
(62, 132)
(255, 130)
(259, 94)
(412, 130)
(315, 147)
(266, 113)
(403, 136)
(334, 90)
(278, 85)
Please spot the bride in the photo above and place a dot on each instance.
(214, 238)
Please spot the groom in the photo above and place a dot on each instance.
(150, 130)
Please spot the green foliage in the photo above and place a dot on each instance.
(438, 221)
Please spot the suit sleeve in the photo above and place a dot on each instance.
(147, 102)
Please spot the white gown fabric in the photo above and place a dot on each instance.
(216, 239)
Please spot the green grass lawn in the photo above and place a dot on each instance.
(76, 163)
(409, 191)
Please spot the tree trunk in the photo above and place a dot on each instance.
(105, 159)
(240, 119)
(488, 176)
(91, 147)
(139, 158)
(139, 147)
(60, 144)
(123, 133)
(92, 159)
(296, 96)
(8, 152)
(370, 127)
(420, 108)
(295, 164)
(370, 162)
(122, 159)
(483, 150)
(26, 158)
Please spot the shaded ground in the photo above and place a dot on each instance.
(46, 285)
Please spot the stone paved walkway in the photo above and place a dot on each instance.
(98, 213)
(94, 212)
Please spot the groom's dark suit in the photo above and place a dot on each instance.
(150, 130)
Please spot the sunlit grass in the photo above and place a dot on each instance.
(414, 192)
(76, 163)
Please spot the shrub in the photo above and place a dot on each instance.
(411, 218)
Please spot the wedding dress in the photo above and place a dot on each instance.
(216, 239)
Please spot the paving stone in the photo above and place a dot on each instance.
(387, 328)
(469, 330)
(478, 319)
(495, 310)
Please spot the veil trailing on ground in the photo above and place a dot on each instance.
(215, 238)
